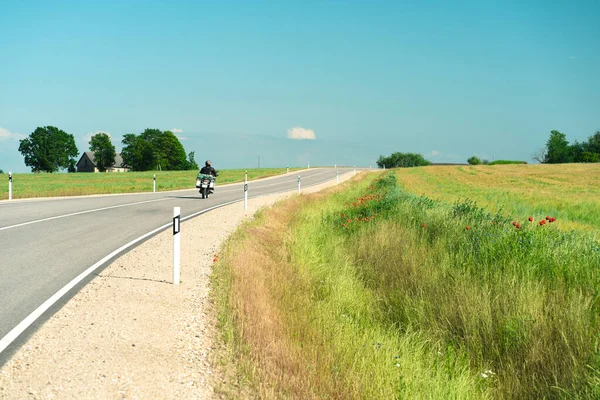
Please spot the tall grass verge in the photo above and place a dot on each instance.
(377, 293)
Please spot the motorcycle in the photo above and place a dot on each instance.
(206, 184)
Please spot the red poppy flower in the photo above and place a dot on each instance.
(342, 215)
(530, 219)
(543, 222)
(518, 226)
(514, 223)
(547, 218)
(423, 225)
(468, 227)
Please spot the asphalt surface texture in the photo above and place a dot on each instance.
(46, 243)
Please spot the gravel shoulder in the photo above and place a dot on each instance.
(130, 333)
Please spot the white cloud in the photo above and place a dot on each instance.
(298, 133)
(181, 137)
(5, 134)
(176, 130)
(435, 153)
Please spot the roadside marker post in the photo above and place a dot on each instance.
(154, 186)
(288, 170)
(298, 184)
(337, 177)
(9, 185)
(246, 192)
(309, 165)
(334, 165)
(355, 170)
(176, 245)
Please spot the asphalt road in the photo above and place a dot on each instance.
(47, 243)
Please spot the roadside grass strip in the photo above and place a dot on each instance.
(79, 184)
(368, 291)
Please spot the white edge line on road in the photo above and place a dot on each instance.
(272, 184)
(81, 212)
(124, 205)
(31, 318)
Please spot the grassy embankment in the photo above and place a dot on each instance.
(407, 302)
(51, 185)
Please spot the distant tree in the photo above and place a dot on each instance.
(153, 148)
(576, 150)
(192, 164)
(589, 157)
(104, 151)
(474, 160)
(540, 155)
(593, 144)
(48, 149)
(137, 153)
(557, 149)
(485, 162)
(1, 172)
(398, 159)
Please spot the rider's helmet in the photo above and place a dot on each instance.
(208, 163)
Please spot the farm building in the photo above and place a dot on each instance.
(86, 163)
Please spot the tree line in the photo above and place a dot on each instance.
(50, 149)
(558, 150)
(398, 159)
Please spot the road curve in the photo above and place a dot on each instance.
(47, 243)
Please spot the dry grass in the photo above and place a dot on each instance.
(568, 191)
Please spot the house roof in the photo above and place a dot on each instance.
(118, 159)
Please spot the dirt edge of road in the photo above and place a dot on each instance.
(130, 333)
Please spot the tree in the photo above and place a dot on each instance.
(192, 164)
(104, 151)
(540, 155)
(557, 149)
(589, 157)
(154, 149)
(398, 159)
(474, 160)
(1, 172)
(48, 149)
(593, 143)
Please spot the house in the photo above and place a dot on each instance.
(86, 163)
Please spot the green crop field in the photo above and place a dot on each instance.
(426, 283)
(51, 185)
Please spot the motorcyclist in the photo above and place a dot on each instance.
(208, 169)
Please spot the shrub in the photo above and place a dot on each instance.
(474, 160)
(501, 162)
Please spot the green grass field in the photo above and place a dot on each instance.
(51, 185)
(375, 290)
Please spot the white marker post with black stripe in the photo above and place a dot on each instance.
(9, 185)
(246, 192)
(154, 185)
(176, 245)
(298, 184)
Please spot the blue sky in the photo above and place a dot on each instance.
(447, 79)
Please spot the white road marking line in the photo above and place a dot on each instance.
(272, 184)
(31, 318)
(14, 333)
(81, 212)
